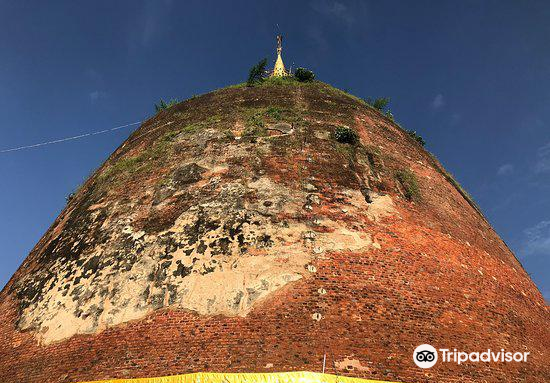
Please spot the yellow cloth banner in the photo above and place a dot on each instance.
(273, 377)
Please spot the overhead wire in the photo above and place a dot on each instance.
(57, 141)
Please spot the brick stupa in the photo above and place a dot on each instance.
(246, 230)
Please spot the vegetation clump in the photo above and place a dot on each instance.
(416, 137)
(257, 73)
(274, 112)
(255, 124)
(409, 183)
(346, 135)
(165, 105)
(280, 81)
(304, 75)
(379, 103)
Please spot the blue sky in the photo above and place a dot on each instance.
(473, 77)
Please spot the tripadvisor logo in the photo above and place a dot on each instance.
(426, 356)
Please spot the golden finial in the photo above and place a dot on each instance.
(279, 69)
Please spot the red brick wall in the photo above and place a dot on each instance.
(442, 277)
(377, 309)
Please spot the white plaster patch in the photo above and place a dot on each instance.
(220, 257)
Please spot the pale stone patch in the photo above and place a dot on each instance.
(381, 206)
(342, 239)
(350, 364)
(220, 257)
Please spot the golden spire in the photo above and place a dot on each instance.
(279, 69)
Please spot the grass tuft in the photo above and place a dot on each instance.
(346, 135)
(410, 185)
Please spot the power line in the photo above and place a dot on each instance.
(69, 138)
(149, 132)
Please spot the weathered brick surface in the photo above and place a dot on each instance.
(439, 273)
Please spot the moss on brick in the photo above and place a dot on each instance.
(407, 179)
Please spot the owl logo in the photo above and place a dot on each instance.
(425, 356)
